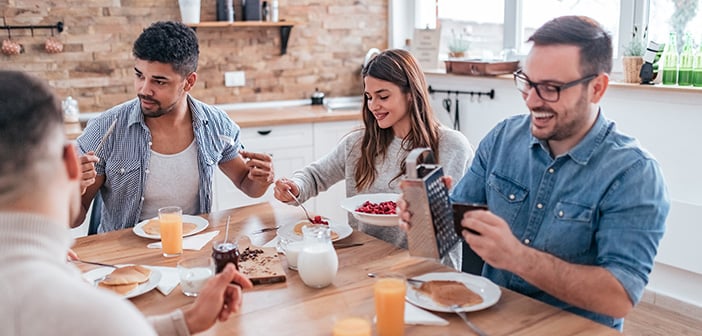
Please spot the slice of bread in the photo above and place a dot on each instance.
(448, 292)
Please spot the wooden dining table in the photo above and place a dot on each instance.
(291, 308)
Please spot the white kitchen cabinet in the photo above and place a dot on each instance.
(291, 147)
(326, 137)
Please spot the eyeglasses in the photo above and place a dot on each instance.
(547, 92)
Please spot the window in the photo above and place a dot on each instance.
(496, 27)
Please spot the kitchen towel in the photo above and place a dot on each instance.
(169, 279)
(196, 242)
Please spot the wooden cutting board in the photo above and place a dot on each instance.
(262, 265)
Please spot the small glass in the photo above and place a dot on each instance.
(352, 326)
(171, 226)
(194, 273)
(292, 249)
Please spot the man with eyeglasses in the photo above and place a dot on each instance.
(576, 208)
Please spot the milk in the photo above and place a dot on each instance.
(192, 280)
(292, 251)
(317, 264)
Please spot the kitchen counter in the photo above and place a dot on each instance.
(270, 115)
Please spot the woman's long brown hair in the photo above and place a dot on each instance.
(400, 68)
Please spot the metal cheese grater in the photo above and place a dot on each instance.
(431, 234)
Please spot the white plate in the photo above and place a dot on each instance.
(343, 230)
(200, 224)
(98, 273)
(482, 286)
(352, 203)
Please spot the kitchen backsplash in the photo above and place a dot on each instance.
(326, 48)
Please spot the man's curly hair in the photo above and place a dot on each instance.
(171, 43)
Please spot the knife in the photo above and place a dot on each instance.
(104, 137)
(344, 245)
(266, 230)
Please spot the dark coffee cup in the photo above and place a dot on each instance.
(458, 210)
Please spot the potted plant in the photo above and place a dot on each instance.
(632, 58)
(458, 44)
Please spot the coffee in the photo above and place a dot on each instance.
(458, 210)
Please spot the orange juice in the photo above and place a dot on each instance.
(171, 225)
(389, 294)
(352, 326)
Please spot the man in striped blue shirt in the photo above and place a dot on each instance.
(166, 144)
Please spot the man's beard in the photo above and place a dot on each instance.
(151, 114)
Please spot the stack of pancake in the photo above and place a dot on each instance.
(125, 279)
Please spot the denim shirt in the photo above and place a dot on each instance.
(604, 203)
(124, 158)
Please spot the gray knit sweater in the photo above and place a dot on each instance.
(43, 295)
(455, 155)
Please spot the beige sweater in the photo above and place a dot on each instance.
(43, 295)
(455, 156)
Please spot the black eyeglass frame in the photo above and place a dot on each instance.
(557, 88)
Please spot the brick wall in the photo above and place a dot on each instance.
(325, 50)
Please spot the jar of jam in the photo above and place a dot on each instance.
(224, 252)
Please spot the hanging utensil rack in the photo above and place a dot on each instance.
(490, 93)
(58, 26)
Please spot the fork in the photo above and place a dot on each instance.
(470, 324)
(301, 206)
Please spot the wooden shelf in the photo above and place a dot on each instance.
(285, 28)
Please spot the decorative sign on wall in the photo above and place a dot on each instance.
(425, 47)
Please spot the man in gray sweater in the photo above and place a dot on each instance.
(39, 197)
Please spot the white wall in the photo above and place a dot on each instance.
(666, 122)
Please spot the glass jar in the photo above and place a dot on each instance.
(317, 262)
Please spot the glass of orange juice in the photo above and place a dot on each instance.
(352, 326)
(171, 224)
(389, 294)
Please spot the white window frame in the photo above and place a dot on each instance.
(633, 13)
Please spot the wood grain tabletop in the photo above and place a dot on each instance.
(291, 308)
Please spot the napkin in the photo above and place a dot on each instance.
(169, 279)
(273, 242)
(416, 316)
(196, 242)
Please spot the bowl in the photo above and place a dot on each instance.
(352, 203)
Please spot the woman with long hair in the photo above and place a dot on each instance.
(397, 117)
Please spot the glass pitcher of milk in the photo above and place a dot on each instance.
(317, 262)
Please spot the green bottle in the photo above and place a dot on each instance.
(697, 67)
(670, 61)
(687, 58)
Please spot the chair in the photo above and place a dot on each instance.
(95, 214)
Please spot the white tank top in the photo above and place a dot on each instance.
(172, 180)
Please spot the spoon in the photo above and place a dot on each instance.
(301, 206)
(417, 281)
(456, 309)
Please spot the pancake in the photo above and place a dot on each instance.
(153, 227)
(119, 289)
(447, 293)
(298, 229)
(134, 274)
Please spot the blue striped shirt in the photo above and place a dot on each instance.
(124, 157)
